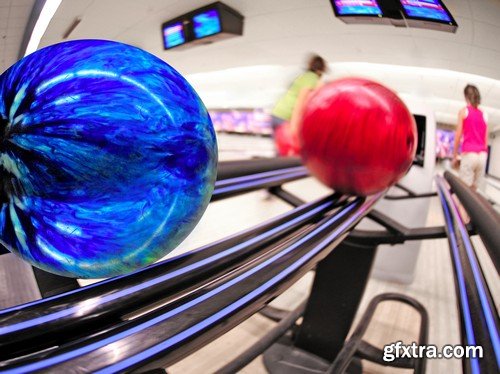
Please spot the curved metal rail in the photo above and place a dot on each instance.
(238, 185)
(238, 168)
(478, 315)
(486, 220)
(50, 321)
(187, 320)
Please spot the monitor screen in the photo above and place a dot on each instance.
(206, 23)
(248, 121)
(426, 9)
(356, 7)
(445, 140)
(421, 122)
(173, 35)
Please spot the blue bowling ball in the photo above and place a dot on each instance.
(107, 158)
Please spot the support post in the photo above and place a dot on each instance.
(52, 284)
(337, 290)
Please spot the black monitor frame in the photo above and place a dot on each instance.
(202, 10)
(362, 18)
(421, 124)
(231, 24)
(430, 23)
(452, 22)
(394, 14)
(168, 24)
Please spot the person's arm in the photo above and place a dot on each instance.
(320, 84)
(458, 136)
(298, 109)
(486, 133)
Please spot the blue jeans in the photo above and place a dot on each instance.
(275, 123)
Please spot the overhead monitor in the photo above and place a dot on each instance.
(428, 14)
(421, 122)
(357, 7)
(204, 25)
(359, 11)
(173, 35)
(426, 9)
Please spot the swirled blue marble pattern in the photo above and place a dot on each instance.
(107, 158)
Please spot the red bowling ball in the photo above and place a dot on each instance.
(287, 143)
(357, 136)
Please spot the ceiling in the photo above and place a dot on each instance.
(430, 65)
(14, 15)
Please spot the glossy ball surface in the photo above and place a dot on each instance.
(357, 136)
(286, 142)
(107, 158)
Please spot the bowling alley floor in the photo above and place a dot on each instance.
(433, 284)
(433, 287)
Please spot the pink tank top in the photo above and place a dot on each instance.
(474, 130)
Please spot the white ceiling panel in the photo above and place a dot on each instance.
(486, 35)
(259, 7)
(88, 29)
(442, 86)
(459, 8)
(13, 40)
(60, 26)
(71, 9)
(4, 17)
(20, 3)
(492, 97)
(485, 11)
(463, 35)
(261, 27)
(17, 12)
(485, 57)
(125, 13)
(14, 15)
(474, 69)
(444, 50)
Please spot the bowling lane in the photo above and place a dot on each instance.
(17, 282)
(229, 216)
(492, 192)
(240, 146)
(433, 284)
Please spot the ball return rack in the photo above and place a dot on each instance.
(152, 318)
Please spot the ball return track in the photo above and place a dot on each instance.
(154, 317)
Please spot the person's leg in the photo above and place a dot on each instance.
(479, 170)
(275, 123)
(466, 172)
(474, 165)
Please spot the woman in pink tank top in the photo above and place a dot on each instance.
(474, 129)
